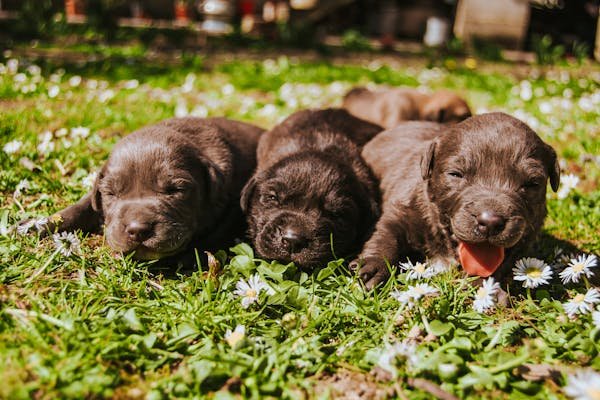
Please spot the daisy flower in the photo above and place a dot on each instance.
(249, 291)
(417, 271)
(66, 243)
(414, 293)
(88, 180)
(235, 337)
(391, 354)
(567, 183)
(22, 186)
(485, 298)
(582, 303)
(25, 226)
(532, 272)
(583, 385)
(40, 223)
(578, 266)
(12, 147)
(596, 319)
(80, 132)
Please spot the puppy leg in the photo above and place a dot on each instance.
(381, 247)
(79, 216)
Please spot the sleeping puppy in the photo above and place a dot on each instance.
(312, 193)
(388, 107)
(473, 192)
(169, 185)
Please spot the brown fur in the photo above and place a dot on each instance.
(388, 107)
(437, 179)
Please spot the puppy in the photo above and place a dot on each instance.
(388, 107)
(473, 192)
(169, 185)
(312, 193)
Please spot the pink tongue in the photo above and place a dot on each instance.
(480, 259)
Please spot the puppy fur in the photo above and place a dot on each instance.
(169, 186)
(437, 180)
(311, 187)
(390, 106)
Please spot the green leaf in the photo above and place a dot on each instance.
(439, 328)
(242, 249)
(132, 321)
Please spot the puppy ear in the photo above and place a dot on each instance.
(95, 195)
(215, 180)
(427, 161)
(552, 166)
(247, 193)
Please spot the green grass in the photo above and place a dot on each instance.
(95, 325)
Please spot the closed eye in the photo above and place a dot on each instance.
(455, 174)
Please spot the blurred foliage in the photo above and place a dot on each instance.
(546, 52)
(38, 18)
(355, 41)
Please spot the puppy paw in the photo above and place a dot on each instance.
(373, 271)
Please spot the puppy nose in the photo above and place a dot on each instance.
(138, 231)
(490, 223)
(293, 239)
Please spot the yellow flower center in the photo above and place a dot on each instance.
(578, 267)
(235, 338)
(481, 293)
(579, 298)
(533, 272)
(251, 293)
(420, 268)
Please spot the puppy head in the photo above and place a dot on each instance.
(302, 206)
(445, 107)
(151, 192)
(487, 177)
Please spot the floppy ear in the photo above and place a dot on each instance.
(215, 180)
(427, 161)
(552, 166)
(247, 193)
(95, 196)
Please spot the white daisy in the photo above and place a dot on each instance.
(89, 179)
(80, 132)
(596, 319)
(577, 267)
(235, 337)
(567, 183)
(53, 91)
(582, 303)
(75, 81)
(25, 226)
(583, 385)
(418, 270)
(532, 272)
(66, 243)
(249, 291)
(414, 293)
(21, 187)
(485, 298)
(12, 147)
(40, 223)
(391, 355)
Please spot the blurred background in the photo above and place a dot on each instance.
(542, 31)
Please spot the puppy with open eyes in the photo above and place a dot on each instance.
(168, 187)
(388, 107)
(312, 192)
(473, 192)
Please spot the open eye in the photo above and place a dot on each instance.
(270, 198)
(455, 174)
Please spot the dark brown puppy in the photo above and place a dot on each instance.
(170, 185)
(312, 187)
(473, 192)
(388, 107)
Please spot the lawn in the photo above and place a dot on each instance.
(90, 324)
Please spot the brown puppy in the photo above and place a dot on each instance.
(389, 107)
(170, 185)
(311, 187)
(473, 192)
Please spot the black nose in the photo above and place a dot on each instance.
(138, 231)
(293, 239)
(490, 223)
